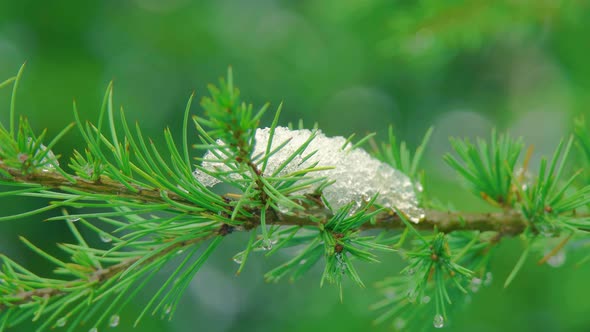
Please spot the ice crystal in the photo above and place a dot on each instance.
(48, 162)
(358, 176)
(556, 259)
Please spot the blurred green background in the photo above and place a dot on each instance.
(463, 67)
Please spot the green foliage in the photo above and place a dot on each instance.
(546, 203)
(400, 157)
(230, 120)
(488, 168)
(149, 209)
(430, 29)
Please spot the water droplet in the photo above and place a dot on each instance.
(390, 294)
(61, 322)
(488, 280)
(74, 219)
(302, 262)
(525, 177)
(420, 42)
(266, 245)
(104, 237)
(114, 321)
(48, 163)
(468, 299)
(94, 329)
(547, 230)
(475, 284)
(412, 296)
(341, 264)
(399, 324)
(168, 310)
(439, 321)
(419, 187)
(179, 252)
(239, 257)
(88, 170)
(425, 299)
(557, 260)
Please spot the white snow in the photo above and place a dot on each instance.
(358, 176)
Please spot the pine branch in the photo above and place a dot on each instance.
(96, 277)
(296, 188)
(505, 223)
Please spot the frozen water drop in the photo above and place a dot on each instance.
(557, 260)
(488, 279)
(547, 230)
(412, 296)
(399, 323)
(419, 187)
(61, 322)
(439, 321)
(88, 170)
(525, 178)
(114, 321)
(390, 294)
(426, 299)
(104, 237)
(239, 257)
(341, 263)
(266, 244)
(475, 284)
(49, 161)
(94, 329)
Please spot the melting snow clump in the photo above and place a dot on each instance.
(357, 175)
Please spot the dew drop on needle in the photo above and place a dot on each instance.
(238, 258)
(61, 322)
(439, 321)
(104, 237)
(114, 321)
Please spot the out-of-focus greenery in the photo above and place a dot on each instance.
(351, 66)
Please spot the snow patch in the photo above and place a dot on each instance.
(357, 175)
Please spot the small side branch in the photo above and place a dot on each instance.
(97, 277)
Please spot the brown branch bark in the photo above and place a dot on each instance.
(506, 223)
